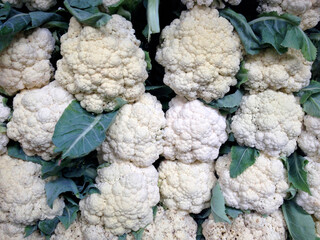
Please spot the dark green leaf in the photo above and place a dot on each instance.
(3, 128)
(84, 3)
(78, 132)
(217, 204)
(40, 18)
(242, 75)
(138, 234)
(154, 211)
(69, 215)
(292, 192)
(28, 230)
(14, 150)
(5, 11)
(312, 105)
(122, 237)
(153, 17)
(229, 103)
(242, 158)
(124, 13)
(233, 212)
(56, 24)
(312, 88)
(315, 38)
(148, 60)
(53, 168)
(48, 226)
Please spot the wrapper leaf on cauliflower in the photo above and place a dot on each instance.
(128, 194)
(261, 187)
(25, 64)
(309, 140)
(186, 187)
(101, 65)
(248, 226)
(194, 132)
(201, 54)
(12, 231)
(4, 115)
(269, 121)
(35, 114)
(210, 3)
(136, 134)
(32, 5)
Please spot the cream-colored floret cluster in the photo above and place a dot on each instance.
(309, 140)
(32, 5)
(210, 3)
(12, 231)
(4, 115)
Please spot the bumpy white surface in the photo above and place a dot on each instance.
(201, 54)
(32, 5)
(288, 72)
(311, 203)
(251, 226)
(186, 187)
(22, 195)
(107, 3)
(269, 121)
(35, 115)
(261, 187)
(309, 139)
(136, 135)
(194, 132)
(128, 194)
(25, 64)
(4, 114)
(100, 65)
(11, 231)
(307, 10)
(210, 3)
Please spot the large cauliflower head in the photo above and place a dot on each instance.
(25, 64)
(248, 226)
(261, 187)
(12, 231)
(32, 5)
(269, 121)
(22, 194)
(307, 10)
(309, 139)
(35, 114)
(201, 54)
(311, 203)
(186, 187)
(128, 194)
(210, 3)
(288, 72)
(101, 65)
(194, 132)
(4, 115)
(136, 134)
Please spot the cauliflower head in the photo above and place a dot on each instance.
(128, 194)
(248, 226)
(22, 194)
(269, 121)
(32, 5)
(288, 72)
(25, 64)
(307, 10)
(261, 187)
(194, 132)
(311, 203)
(210, 3)
(101, 65)
(12, 231)
(309, 139)
(186, 187)
(201, 54)
(136, 134)
(4, 115)
(35, 115)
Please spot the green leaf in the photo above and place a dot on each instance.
(56, 24)
(315, 70)
(229, 103)
(233, 212)
(154, 211)
(296, 173)
(242, 158)
(69, 215)
(84, 3)
(5, 11)
(138, 234)
(3, 127)
(39, 18)
(14, 150)
(242, 75)
(312, 88)
(28, 230)
(312, 105)
(124, 13)
(103, 165)
(299, 223)
(54, 168)
(48, 226)
(122, 237)
(153, 17)
(78, 132)
(148, 61)
(56, 187)
(292, 192)
(217, 204)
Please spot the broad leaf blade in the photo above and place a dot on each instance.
(242, 75)
(28, 230)
(153, 17)
(312, 105)
(69, 215)
(242, 158)
(39, 18)
(14, 150)
(82, 4)
(233, 212)
(217, 203)
(138, 234)
(48, 226)
(229, 103)
(312, 88)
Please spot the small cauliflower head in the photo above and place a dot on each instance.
(210, 3)
(269, 121)
(100, 65)
(307, 10)
(4, 115)
(35, 115)
(201, 54)
(186, 187)
(128, 194)
(12, 231)
(194, 132)
(309, 139)
(107, 3)
(136, 134)
(248, 226)
(288, 72)
(22, 193)
(32, 5)
(311, 203)
(261, 187)
(25, 64)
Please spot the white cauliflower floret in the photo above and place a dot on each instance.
(72, 233)
(249, 226)
(128, 194)
(25, 64)
(186, 187)
(107, 3)
(309, 139)
(311, 203)
(288, 72)
(194, 132)
(12, 231)
(201, 54)
(4, 115)
(32, 5)
(269, 121)
(307, 10)
(261, 187)
(136, 134)
(35, 115)
(22, 194)
(210, 3)
(102, 64)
